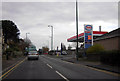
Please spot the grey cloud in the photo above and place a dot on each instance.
(96, 11)
(34, 17)
(55, 12)
(49, 12)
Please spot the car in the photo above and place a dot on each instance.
(33, 55)
(64, 53)
(58, 53)
(45, 53)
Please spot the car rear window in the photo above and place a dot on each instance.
(31, 52)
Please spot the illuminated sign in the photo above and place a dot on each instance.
(88, 36)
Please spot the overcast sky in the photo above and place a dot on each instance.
(34, 17)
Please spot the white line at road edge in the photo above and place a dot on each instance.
(49, 66)
(62, 76)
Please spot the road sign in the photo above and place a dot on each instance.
(88, 36)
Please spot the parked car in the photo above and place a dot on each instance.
(58, 53)
(52, 52)
(33, 55)
(64, 53)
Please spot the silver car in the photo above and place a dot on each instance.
(33, 55)
(64, 53)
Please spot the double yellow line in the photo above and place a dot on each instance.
(6, 73)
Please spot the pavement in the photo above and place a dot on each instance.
(6, 64)
(94, 64)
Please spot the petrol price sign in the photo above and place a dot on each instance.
(88, 36)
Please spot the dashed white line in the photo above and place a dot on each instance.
(60, 61)
(49, 66)
(62, 76)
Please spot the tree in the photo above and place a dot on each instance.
(10, 31)
(63, 47)
(69, 47)
(45, 49)
(28, 42)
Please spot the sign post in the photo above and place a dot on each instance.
(88, 36)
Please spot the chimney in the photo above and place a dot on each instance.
(100, 28)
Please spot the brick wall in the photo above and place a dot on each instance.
(110, 43)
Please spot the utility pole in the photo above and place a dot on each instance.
(1, 41)
(77, 30)
(61, 48)
(51, 36)
(26, 37)
(57, 48)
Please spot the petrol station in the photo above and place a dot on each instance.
(96, 34)
(88, 36)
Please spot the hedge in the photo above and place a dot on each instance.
(95, 49)
(110, 58)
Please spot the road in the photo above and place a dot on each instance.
(47, 68)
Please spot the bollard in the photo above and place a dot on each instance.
(57, 54)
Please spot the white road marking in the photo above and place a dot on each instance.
(60, 60)
(62, 76)
(49, 66)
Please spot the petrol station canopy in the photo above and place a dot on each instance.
(96, 34)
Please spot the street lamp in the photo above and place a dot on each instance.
(26, 36)
(51, 36)
(27, 43)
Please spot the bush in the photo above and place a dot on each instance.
(12, 51)
(81, 52)
(16, 48)
(9, 50)
(95, 49)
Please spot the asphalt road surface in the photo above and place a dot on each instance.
(47, 68)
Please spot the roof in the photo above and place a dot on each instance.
(81, 36)
(111, 34)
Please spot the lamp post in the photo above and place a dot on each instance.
(26, 36)
(77, 30)
(27, 47)
(51, 36)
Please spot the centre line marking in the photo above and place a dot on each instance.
(49, 66)
(62, 76)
